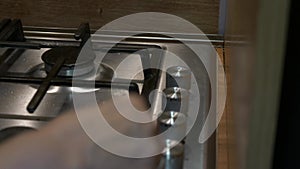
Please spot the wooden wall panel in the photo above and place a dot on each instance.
(255, 69)
(69, 13)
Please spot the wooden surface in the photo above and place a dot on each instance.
(256, 74)
(70, 13)
(223, 142)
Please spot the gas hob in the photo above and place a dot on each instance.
(37, 66)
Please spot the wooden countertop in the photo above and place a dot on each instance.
(70, 13)
(222, 131)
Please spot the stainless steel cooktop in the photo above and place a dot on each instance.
(23, 72)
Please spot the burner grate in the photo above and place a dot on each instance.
(17, 44)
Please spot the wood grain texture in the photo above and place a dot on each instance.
(256, 69)
(70, 13)
(230, 137)
(223, 150)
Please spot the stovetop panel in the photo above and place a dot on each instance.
(14, 97)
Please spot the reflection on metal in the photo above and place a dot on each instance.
(14, 97)
(66, 34)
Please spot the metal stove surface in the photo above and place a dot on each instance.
(15, 97)
(12, 127)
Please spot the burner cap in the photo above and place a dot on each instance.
(8, 133)
(83, 66)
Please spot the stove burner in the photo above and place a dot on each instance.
(13, 131)
(83, 66)
(104, 73)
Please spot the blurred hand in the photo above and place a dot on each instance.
(63, 144)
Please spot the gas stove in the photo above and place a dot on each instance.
(37, 66)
